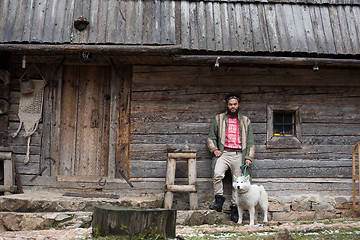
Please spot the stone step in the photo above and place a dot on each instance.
(25, 221)
(57, 202)
(15, 221)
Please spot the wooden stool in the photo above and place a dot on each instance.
(170, 187)
(9, 183)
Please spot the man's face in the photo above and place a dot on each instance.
(233, 106)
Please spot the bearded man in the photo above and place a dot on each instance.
(232, 143)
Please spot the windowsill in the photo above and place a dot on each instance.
(283, 142)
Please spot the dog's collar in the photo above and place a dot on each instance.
(242, 191)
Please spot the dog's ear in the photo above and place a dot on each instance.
(247, 177)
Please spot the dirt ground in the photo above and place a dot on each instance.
(85, 233)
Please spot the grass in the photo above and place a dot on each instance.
(327, 234)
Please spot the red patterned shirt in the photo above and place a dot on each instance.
(232, 140)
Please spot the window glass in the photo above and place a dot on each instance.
(284, 124)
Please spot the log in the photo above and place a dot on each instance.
(144, 223)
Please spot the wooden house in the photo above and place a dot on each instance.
(144, 77)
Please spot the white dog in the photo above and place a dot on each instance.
(250, 197)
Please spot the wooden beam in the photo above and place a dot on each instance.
(5, 155)
(8, 188)
(75, 48)
(266, 60)
(181, 188)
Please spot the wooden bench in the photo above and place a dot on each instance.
(170, 186)
(9, 183)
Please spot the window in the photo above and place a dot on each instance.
(284, 123)
(283, 127)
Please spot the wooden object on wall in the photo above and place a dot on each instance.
(112, 220)
(170, 187)
(8, 187)
(355, 177)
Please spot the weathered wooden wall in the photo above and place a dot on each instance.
(174, 106)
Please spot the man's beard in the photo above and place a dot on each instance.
(233, 113)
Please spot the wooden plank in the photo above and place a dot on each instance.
(94, 21)
(260, 35)
(194, 25)
(92, 112)
(123, 131)
(271, 27)
(346, 41)
(336, 29)
(185, 24)
(282, 27)
(331, 129)
(356, 12)
(217, 24)
(329, 37)
(352, 28)
(4, 6)
(181, 188)
(201, 27)
(147, 13)
(10, 21)
(59, 21)
(138, 21)
(182, 155)
(68, 20)
(101, 34)
(154, 36)
(114, 109)
(173, 27)
(17, 28)
(49, 23)
(299, 25)
(209, 26)
(68, 126)
(164, 24)
(225, 28)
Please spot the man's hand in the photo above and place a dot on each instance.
(217, 153)
(247, 162)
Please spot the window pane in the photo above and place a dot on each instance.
(288, 118)
(278, 129)
(288, 130)
(278, 118)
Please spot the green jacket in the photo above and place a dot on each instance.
(217, 134)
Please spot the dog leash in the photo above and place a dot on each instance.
(244, 167)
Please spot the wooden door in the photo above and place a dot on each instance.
(84, 121)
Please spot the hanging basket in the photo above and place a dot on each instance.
(81, 23)
(26, 85)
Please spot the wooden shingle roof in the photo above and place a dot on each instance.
(246, 26)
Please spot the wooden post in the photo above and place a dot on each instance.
(8, 172)
(170, 180)
(191, 162)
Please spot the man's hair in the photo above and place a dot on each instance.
(233, 96)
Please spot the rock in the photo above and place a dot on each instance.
(283, 235)
(35, 221)
(198, 217)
